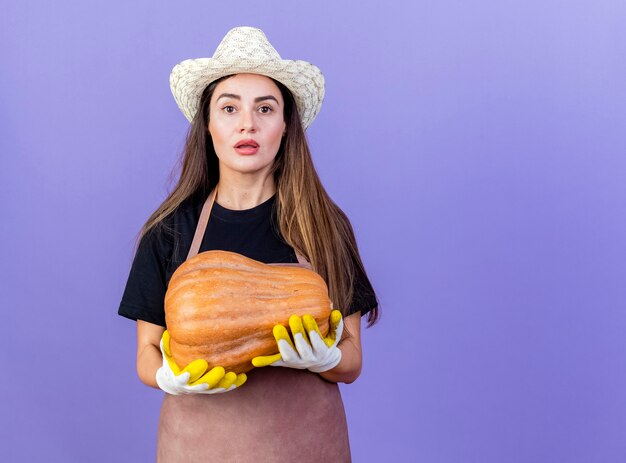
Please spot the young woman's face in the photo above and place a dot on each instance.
(246, 107)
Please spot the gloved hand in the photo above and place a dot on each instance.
(193, 379)
(310, 351)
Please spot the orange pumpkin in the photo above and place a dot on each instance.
(222, 306)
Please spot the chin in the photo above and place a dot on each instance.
(248, 167)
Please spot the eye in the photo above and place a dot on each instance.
(226, 107)
(269, 109)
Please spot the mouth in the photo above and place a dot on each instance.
(247, 147)
(247, 144)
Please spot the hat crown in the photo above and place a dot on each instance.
(245, 43)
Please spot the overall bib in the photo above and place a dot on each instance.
(279, 415)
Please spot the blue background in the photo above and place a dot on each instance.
(477, 147)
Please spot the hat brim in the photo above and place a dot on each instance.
(190, 77)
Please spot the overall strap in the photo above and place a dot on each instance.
(203, 222)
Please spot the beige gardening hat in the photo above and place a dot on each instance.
(245, 49)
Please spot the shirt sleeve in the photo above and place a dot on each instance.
(144, 295)
(363, 296)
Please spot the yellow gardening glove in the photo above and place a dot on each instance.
(307, 349)
(193, 379)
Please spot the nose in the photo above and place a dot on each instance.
(247, 122)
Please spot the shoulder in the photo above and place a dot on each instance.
(167, 235)
(183, 218)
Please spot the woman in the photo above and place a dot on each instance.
(248, 185)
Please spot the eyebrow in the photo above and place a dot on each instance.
(256, 100)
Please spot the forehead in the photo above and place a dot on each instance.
(248, 85)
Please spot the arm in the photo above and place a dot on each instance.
(149, 357)
(349, 368)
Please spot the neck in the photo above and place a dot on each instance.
(239, 192)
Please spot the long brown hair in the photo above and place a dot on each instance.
(308, 219)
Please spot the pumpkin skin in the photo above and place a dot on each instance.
(222, 307)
